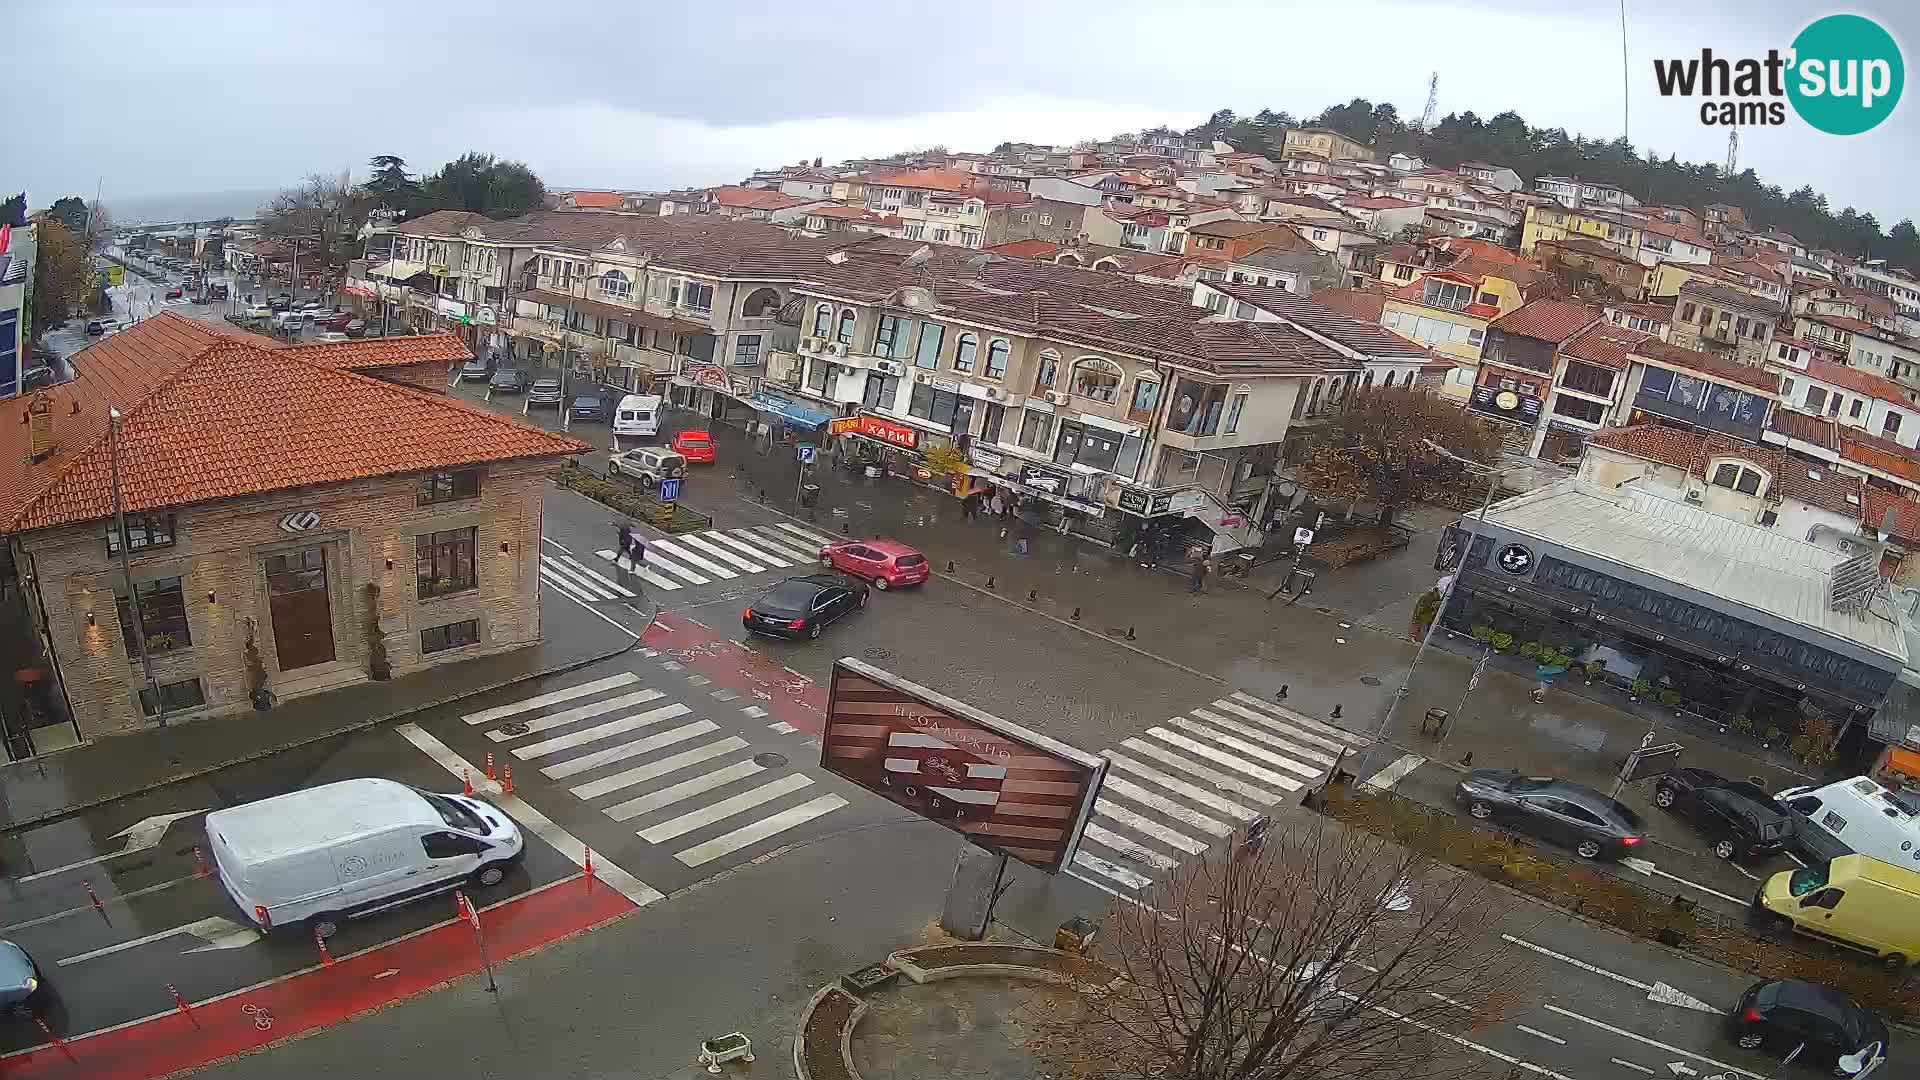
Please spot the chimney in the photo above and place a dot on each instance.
(40, 427)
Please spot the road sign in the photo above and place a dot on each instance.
(1303, 536)
(670, 489)
(807, 452)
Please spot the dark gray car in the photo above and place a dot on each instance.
(1589, 822)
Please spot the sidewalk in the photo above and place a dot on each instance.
(65, 781)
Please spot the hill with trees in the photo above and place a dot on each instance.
(1507, 139)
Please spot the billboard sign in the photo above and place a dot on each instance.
(1007, 789)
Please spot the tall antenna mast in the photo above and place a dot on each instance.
(1733, 150)
(1433, 100)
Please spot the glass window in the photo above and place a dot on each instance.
(443, 845)
(927, 355)
(1816, 398)
(1049, 370)
(163, 617)
(817, 372)
(1749, 483)
(143, 531)
(176, 696)
(1234, 408)
(451, 636)
(697, 296)
(746, 350)
(990, 427)
(997, 359)
(881, 391)
(1096, 378)
(886, 335)
(845, 334)
(964, 351)
(1146, 394)
(1036, 431)
(822, 321)
(1891, 425)
(937, 406)
(1853, 411)
(442, 487)
(445, 562)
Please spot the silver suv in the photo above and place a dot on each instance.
(647, 464)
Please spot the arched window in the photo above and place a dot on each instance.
(997, 351)
(845, 334)
(1049, 371)
(1146, 395)
(1068, 259)
(964, 351)
(1388, 382)
(761, 304)
(1108, 263)
(1367, 383)
(1096, 378)
(615, 284)
(1313, 401)
(822, 320)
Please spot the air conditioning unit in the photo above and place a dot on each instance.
(890, 367)
(811, 344)
(1693, 496)
(994, 393)
(1056, 397)
(837, 348)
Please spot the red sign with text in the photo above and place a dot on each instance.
(889, 432)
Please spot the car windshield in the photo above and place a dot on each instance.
(1532, 783)
(1807, 879)
(586, 403)
(454, 814)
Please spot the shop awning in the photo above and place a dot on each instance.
(398, 270)
(792, 411)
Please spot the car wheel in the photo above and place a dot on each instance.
(1481, 811)
(878, 583)
(612, 473)
(488, 876)
(813, 632)
(1588, 849)
(1725, 849)
(1779, 926)
(1748, 1040)
(826, 561)
(1663, 798)
(1894, 962)
(325, 925)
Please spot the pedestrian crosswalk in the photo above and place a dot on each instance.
(575, 579)
(649, 764)
(1188, 784)
(702, 558)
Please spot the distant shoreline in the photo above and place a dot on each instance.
(201, 206)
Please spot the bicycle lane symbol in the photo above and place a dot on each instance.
(262, 1019)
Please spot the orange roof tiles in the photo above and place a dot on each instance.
(932, 179)
(1707, 364)
(741, 198)
(1359, 303)
(1862, 449)
(1604, 344)
(597, 200)
(1546, 320)
(1026, 249)
(1905, 513)
(1860, 382)
(1794, 477)
(211, 416)
(443, 223)
(442, 349)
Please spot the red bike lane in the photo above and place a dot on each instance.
(787, 696)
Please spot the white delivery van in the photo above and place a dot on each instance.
(637, 416)
(352, 848)
(1855, 816)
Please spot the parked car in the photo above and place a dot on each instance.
(280, 302)
(1782, 1014)
(696, 447)
(588, 407)
(335, 320)
(1592, 824)
(886, 563)
(507, 381)
(1854, 901)
(355, 328)
(95, 327)
(21, 984)
(803, 606)
(176, 293)
(647, 464)
(476, 369)
(1737, 817)
(544, 393)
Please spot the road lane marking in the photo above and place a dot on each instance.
(556, 544)
(209, 930)
(596, 612)
(780, 544)
(1121, 786)
(1278, 760)
(1263, 735)
(1106, 869)
(1303, 720)
(583, 712)
(1180, 787)
(699, 542)
(581, 568)
(1126, 847)
(566, 588)
(118, 898)
(1652, 1042)
(1218, 779)
(1386, 778)
(599, 732)
(1538, 1034)
(772, 825)
(606, 785)
(726, 808)
(1214, 754)
(1631, 1065)
(1281, 727)
(500, 712)
(1645, 866)
(533, 821)
(686, 789)
(1576, 962)
(654, 560)
(693, 557)
(734, 543)
(140, 836)
(604, 589)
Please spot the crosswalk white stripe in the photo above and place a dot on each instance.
(629, 777)
(499, 712)
(1088, 861)
(1139, 823)
(1127, 847)
(582, 568)
(605, 592)
(547, 575)
(589, 762)
(1394, 773)
(1174, 784)
(701, 542)
(773, 825)
(726, 808)
(1218, 779)
(1261, 735)
(647, 571)
(1247, 748)
(1294, 732)
(1265, 776)
(582, 712)
(685, 789)
(1301, 719)
(693, 557)
(747, 549)
(806, 534)
(1121, 786)
(776, 541)
(599, 732)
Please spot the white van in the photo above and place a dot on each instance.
(1855, 816)
(352, 848)
(637, 416)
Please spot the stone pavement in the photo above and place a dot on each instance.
(90, 774)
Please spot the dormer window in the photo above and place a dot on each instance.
(1738, 476)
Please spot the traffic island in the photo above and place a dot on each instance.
(669, 517)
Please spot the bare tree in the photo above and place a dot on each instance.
(316, 215)
(1321, 954)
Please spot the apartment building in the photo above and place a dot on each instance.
(1323, 143)
(1723, 321)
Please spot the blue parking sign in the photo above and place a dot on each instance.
(670, 489)
(807, 452)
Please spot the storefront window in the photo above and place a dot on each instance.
(937, 406)
(163, 617)
(932, 335)
(1036, 431)
(445, 562)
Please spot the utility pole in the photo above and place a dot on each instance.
(126, 572)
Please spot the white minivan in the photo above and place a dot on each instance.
(1855, 816)
(353, 848)
(637, 416)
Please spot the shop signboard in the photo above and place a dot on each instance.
(842, 425)
(451, 308)
(1179, 502)
(1005, 788)
(986, 459)
(1134, 501)
(887, 431)
(707, 375)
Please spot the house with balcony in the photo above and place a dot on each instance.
(1522, 375)
(1665, 241)
(1342, 238)
(1721, 219)
(1468, 225)
(1654, 320)
(758, 204)
(1900, 289)
(1564, 190)
(1227, 240)
(1594, 268)
(1292, 264)
(1498, 177)
(1831, 298)
(1853, 398)
(1386, 359)
(1384, 215)
(1448, 309)
(1724, 321)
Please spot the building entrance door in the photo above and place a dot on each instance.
(302, 618)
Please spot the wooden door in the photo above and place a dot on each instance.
(302, 618)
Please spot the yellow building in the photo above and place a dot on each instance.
(1558, 223)
(1448, 310)
(1325, 144)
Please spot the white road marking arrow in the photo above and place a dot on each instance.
(1646, 866)
(1681, 1068)
(217, 932)
(139, 836)
(1662, 994)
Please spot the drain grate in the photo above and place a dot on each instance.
(769, 760)
(1368, 680)
(877, 654)
(516, 727)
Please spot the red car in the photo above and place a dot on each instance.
(174, 293)
(886, 563)
(696, 447)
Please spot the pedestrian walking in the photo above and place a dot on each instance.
(626, 541)
(639, 551)
(1197, 583)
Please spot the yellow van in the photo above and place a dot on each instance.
(1854, 901)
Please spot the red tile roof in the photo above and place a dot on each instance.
(930, 179)
(212, 416)
(1026, 249)
(1906, 513)
(740, 198)
(1546, 320)
(1877, 453)
(443, 223)
(1707, 364)
(1359, 303)
(1842, 322)
(1604, 344)
(441, 349)
(597, 200)
(1860, 382)
(1812, 483)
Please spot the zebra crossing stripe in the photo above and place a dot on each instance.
(747, 549)
(501, 712)
(641, 774)
(700, 541)
(1394, 773)
(1088, 861)
(686, 789)
(1120, 785)
(1299, 719)
(1239, 765)
(647, 573)
(599, 732)
(1264, 736)
(608, 591)
(772, 825)
(1146, 826)
(1127, 847)
(726, 808)
(1218, 779)
(1177, 786)
(1282, 727)
(627, 778)
(581, 568)
(701, 561)
(583, 712)
(1277, 760)
(806, 534)
(778, 543)
(576, 592)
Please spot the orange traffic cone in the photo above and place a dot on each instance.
(326, 958)
(490, 775)
(589, 863)
(460, 904)
(507, 784)
(468, 777)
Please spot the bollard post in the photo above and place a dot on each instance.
(326, 958)
(1280, 694)
(507, 784)
(949, 566)
(92, 898)
(1336, 712)
(1129, 633)
(200, 858)
(51, 1037)
(1033, 594)
(587, 865)
(1076, 614)
(989, 581)
(466, 778)
(490, 774)
(180, 1003)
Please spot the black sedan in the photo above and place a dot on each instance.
(588, 407)
(1738, 817)
(508, 381)
(803, 606)
(1562, 811)
(1784, 1014)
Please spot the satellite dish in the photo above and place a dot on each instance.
(914, 297)
(984, 260)
(920, 257)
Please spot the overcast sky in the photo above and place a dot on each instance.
(155, 97)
